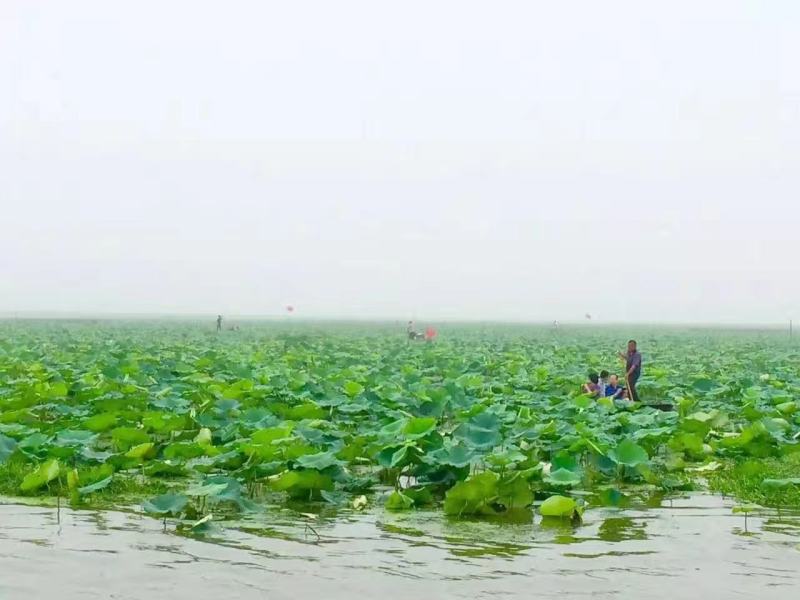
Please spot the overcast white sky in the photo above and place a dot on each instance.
(439, 159)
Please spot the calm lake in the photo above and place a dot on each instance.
(689, 547)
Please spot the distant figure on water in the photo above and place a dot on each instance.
(219, 323)
(413, 334)
(633, 368)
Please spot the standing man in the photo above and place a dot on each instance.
(219, 323)
(633, 369)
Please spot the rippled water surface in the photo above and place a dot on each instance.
(691, 547)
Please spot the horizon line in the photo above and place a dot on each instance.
(110, 316)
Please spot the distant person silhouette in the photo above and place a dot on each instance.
(219, 323)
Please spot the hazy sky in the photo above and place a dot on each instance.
(436, 159)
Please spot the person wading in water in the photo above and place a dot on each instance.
(633, 369)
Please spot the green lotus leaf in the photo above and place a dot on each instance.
(629, 454)
(41, 476)
(398, 501)
(562, 477)
(558, 506)
(166, 504)
(319, 461)
(7, 447)
(473, 496)
(96, 486)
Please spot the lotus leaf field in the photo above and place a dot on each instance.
(486, 422)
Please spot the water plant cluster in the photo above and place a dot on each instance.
(485, 422)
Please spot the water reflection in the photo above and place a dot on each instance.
(620, 529)
(558, 531)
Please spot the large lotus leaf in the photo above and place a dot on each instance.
(505, 457)
(319, 461)
(142, 451)
(164, 422)
(640, 419)
(353, 388)
(690, 443)
(565, 460)
(392, 430)
(354, 407)
(40, 476)
(703, 385)
(558, 506)
(332, 400)
(787, 408)
(225, 406)
(183, 450)
(421, 496)
(35, 444)
(699, 423)
(257, 418)
(335, 498)
(160, 468)
(777, 427)
(306, 483)
(629, 453)
(232, 491)
(206, 489)
(455, 455)
(100, 422)
(7, 447)
(482, 432)
(126, 438)
(271, 435)
(514, 492)
(96, 486)
(652, 433)
(306, 411)
(419, 427)
(398, 501)
(166, 504)
(95, 455)
(473, 496)
(398, 455)
(563, 477)
(173, 404)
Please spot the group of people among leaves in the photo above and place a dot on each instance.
(606, 385)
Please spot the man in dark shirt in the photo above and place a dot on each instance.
(633, 369)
